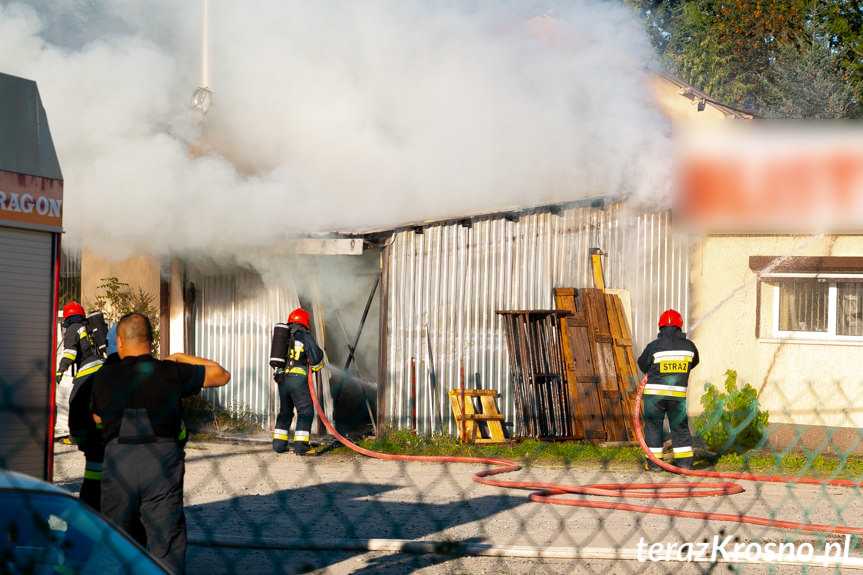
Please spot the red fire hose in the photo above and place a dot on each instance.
(549, 492)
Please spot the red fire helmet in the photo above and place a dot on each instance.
(299, 316)
(670, 317)
(72, 308)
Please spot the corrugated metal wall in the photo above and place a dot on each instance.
(233, 319)
(444, 287)
(446, 283)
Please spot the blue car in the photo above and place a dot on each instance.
(45, 529)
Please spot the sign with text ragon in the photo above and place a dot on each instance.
(31, 201)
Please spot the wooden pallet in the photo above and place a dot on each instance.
(600, 367)
(463, 405)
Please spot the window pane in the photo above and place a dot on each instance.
(803, 305)
(849, 308)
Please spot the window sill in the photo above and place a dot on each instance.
(857, 341)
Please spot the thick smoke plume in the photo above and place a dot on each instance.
(331, 115)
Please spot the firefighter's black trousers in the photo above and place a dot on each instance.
(88, 438)
(656, 408)
(294, 393)
(144, 482)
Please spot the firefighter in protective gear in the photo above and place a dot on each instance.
(82, 352)
(294, 353)
(667, 361)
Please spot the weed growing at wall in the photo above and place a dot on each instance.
(523, 451)
(236, 418)
(203, 418)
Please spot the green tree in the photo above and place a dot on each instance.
(843, 22)
(116, 299)
(728, 45)
(661, 18)
(808, 80)
(727, 48)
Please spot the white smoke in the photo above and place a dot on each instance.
(332, 115)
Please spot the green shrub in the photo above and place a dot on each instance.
(731, 421)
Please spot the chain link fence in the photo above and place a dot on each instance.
(251, 510)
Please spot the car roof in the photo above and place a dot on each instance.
(14, 480)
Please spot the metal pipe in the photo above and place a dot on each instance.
(414, 394)
(435, 411)
(353, 348)
(461, 386)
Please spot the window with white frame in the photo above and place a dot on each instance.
(810, 298)
(819, 307)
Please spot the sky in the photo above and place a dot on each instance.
(331, 115)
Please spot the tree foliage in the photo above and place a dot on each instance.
(843, 23)
(808, 81)
(731, 49)
(116, 299)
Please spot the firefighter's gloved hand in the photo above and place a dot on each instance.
(58, 377)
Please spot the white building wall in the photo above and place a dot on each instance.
(802, 381)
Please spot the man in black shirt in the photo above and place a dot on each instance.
(137, 402)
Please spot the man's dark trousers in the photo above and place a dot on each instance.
(145, 480)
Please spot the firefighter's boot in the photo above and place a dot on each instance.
(303, 448)
(280, 440)
(683, 463)
(280, 445)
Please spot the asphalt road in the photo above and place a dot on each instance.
(250, 510)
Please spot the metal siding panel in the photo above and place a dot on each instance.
(418, 338)
(396, 336)
(459, 277)
(26, 277)
(233, 326)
